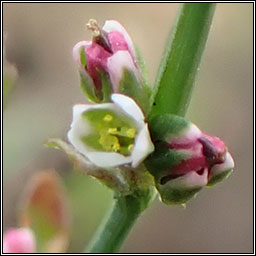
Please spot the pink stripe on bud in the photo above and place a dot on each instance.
(203, 152)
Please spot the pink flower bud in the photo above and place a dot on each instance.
(185, 159)
(202, 151)
(19, 240)
(111, 51)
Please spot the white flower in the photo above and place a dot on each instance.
(111, 134)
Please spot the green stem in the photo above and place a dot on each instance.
(118, 223)
(177, 72)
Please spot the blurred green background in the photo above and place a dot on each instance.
(40, 38)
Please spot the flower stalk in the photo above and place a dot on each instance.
(123, 214)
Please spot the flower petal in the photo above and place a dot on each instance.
(78, 110)
(181, 189)
(189, 136)
(227, 165)
(220, 172)
(116, 64)
(111, 25)
(77, 48)
(80, 127)
(117, 41)
(108, 159)
(142, 147)
(129, 106)
(193, 179)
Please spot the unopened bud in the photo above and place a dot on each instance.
(185, 159)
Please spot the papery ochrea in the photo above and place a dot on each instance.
(109, 64)
(185, 159)
(111, 134)
(19, 240)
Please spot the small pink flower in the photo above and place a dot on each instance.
(19, 240)
(110, 51)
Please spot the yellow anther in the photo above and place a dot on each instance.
(107, 118)
(112, 130)
(115, 147)
(130, 147)
(102, 140)
(131, 133)
(109, 142)
(93, 26)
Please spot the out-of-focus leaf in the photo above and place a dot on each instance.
(9, 78)
(45, 211)
(89, 202)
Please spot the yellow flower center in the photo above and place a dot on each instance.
(111, 133)
(117, 139)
